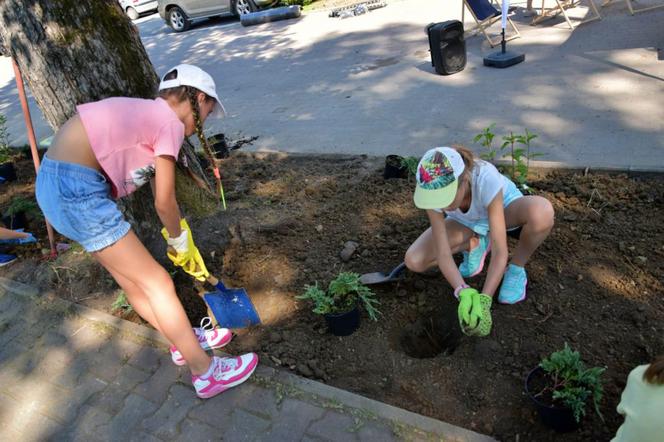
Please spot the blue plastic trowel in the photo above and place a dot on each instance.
(230, 307)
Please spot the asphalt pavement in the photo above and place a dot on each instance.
(365, 84)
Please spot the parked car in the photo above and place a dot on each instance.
(179, 14)
(134, 8)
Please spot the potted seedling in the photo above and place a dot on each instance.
(15, 217)
(339, 304)
(561, 387)
(395, 167)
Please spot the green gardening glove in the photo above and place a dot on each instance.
(481, 312)
(474, 312)
(465, 308)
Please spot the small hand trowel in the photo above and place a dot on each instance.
(380, 277)
(231, 307)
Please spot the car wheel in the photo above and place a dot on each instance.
(242, 7)
(132, 13)
(178, 19)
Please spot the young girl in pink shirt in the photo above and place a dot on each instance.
(108, 150)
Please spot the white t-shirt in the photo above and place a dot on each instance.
(485, 182)
(642, 404)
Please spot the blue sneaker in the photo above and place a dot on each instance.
(6, 259)
(473, 261)
(513, 288)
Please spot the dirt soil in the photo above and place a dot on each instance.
(596, 283)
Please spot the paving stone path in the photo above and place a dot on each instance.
(71, 373)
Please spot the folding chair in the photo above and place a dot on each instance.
(486, 14)
(633, 11)
(561, 7)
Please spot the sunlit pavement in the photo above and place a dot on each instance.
(365, 84)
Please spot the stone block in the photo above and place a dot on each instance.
(147, 359)
(164, 423)
(155, 389)
(134, 411)
(334, 426)
(129, 377)
(192, 430)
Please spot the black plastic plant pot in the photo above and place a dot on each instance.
(394, 167)
(8, 172)
(16, 221)
(343, 324)
(560, 419)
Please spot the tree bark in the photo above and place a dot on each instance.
(77, 51)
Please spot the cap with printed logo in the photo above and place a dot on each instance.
(438, 178)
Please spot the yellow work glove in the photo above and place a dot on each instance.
(186, 254)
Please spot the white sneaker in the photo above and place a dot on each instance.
(224, 373)
(209, 338)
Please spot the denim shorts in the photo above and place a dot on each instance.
(481, 226)
(76, 200)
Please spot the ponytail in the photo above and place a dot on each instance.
(655, 372)
(468, 159)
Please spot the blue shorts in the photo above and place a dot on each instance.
(76, 200)
(481, 227)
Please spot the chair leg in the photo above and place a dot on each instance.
(562, 11)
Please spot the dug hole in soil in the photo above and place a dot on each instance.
(595, 283)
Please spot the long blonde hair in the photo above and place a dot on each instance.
(468, 160)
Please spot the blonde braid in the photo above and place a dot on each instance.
(214, 163)
(191, 93)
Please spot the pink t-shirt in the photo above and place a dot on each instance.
(126, 134)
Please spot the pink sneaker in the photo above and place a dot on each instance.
(209, 337)
(223, 374)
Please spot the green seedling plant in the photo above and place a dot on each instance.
(410, 163)
(520, 156)
(485, 138)
(121, 303)
(342, 295)
(572, 383)
(20, 204)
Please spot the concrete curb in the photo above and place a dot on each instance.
(408, 425)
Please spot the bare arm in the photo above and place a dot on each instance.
(11, 234)
(499, 252)
(446, 263)
(163, 188)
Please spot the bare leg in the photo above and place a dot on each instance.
(129, 259)
(423, 254)
(137, 298)
(535, 215)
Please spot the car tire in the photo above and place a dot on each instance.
(132, 13)
(178, 20)
(242, 7)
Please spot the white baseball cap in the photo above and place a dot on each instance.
(438, 178)
(190, 75)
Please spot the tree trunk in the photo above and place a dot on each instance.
(71, 52)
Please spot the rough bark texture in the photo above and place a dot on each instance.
(76, 51)
(72, 52)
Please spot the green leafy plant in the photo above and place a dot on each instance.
(410, 163)
(121, 303)
(519, 152)
(342, 295)
(485, 138)
(20, 204)
(572, 383)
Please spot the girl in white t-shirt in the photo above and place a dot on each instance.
(471, 208)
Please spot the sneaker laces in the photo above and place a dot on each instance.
(513, 279)
(206, 326)
(223, 365)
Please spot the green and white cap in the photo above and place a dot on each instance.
(437, 178)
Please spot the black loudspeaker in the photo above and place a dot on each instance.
(447, 46)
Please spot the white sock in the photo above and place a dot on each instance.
(208, 373)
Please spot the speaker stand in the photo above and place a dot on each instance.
(503, 59)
